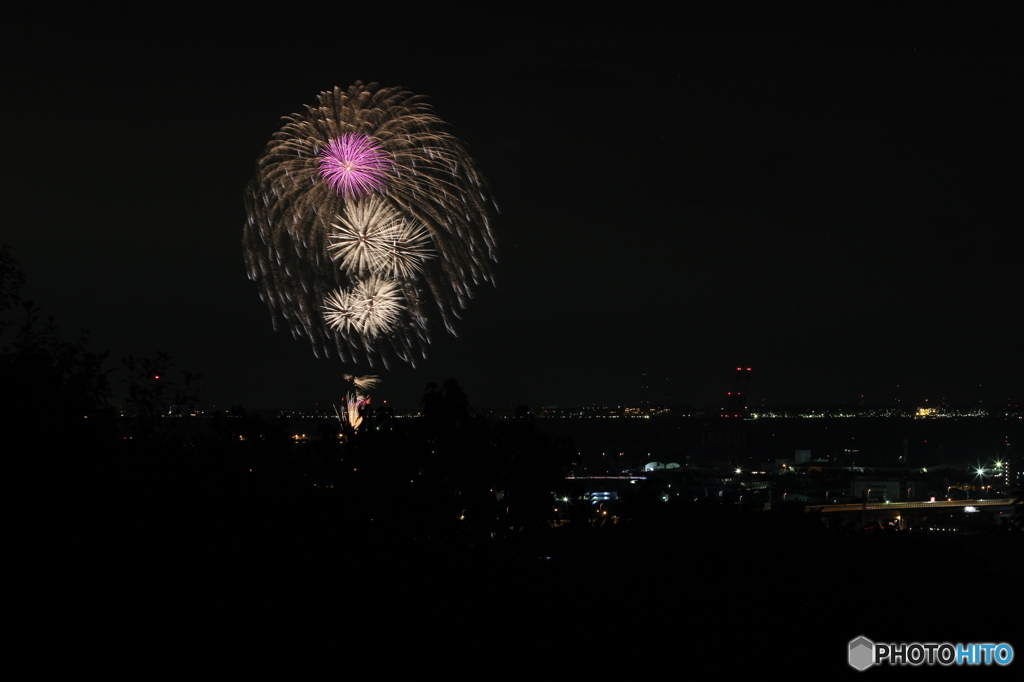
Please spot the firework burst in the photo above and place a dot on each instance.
(354, 165)
(342, 311)
(367, 197)
(364, 383)
(372, 308)
(372, 238)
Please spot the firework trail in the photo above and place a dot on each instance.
(355, 399)
(366, 220)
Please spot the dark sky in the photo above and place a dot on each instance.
(831, 199)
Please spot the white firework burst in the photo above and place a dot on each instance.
(372, 238)
(341, 311)
(373, 307)
(381, 305)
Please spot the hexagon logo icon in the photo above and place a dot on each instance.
(862, 653)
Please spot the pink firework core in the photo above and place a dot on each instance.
(354, 165)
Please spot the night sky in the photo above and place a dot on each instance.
(830, 199)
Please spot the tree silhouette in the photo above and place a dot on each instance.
(446, 407)
(51, 386)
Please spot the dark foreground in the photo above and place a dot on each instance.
(131, 571)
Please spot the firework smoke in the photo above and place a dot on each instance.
(367, 218)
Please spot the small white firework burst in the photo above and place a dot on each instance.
(381, 305)
(372, 238)
(367, 382)
(341, 311)
(371, 308)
